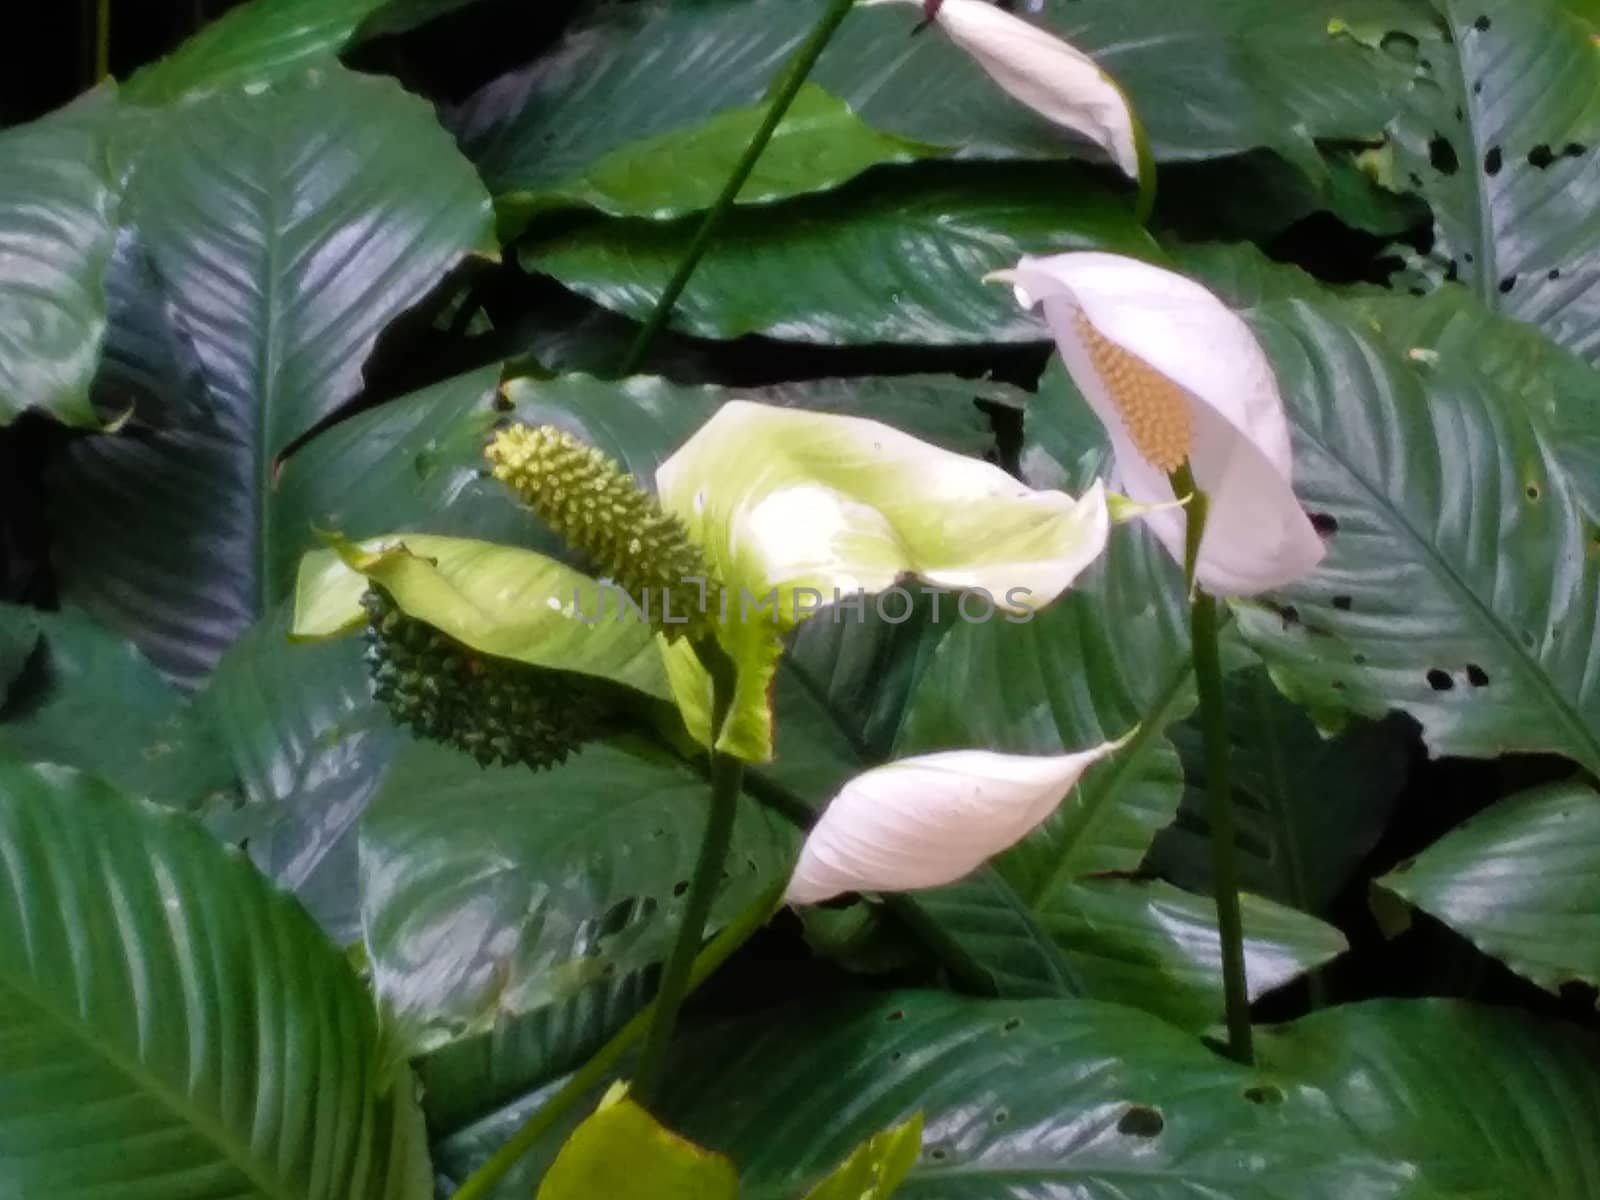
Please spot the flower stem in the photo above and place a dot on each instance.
(589, 1076)
(102, 40)
(1219, 792)
(786, 88)
(727, 781)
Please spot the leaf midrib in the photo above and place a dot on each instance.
(147, 1082)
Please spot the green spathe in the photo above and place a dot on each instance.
(500, 600)
(795, 510)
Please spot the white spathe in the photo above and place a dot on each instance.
(1257, 536)
(929, 820)
(1052, 77)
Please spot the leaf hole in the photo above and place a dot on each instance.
(938, 1154)
(1264, 1094)
(1541, 156)
(1532, 491)
(679, 888)
(1141, 1121)
(1477, 88)
(1492, 161)
(1002, 1115)
(1401, 47)
(1482, 24)
(898, 1014)
(1553, 273)
(1477, 676)
(1359, 659)
(1011, 1025)
(1439, 680)
(1343, 603)
(1574, 149)
(1325, 523)
(1442, 155)
(1506, 284)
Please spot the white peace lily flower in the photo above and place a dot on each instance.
(1176, 376)
(929, 820)
(1055, 79)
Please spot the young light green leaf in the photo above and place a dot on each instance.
(796, 510)
(500, 600)
(878, 1166)
(623, 1153)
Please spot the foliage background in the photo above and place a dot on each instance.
(307, 305)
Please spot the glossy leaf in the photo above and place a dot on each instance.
(310, 747)
(1206, 80)
(1501, 133)
(500, 600)
(174, 1028)
(255, 43)
(59, 200)
(818, 145)
(489, 893)
(1473, 1101)
(1522, 881)
(413, 463)
(283, 227)
(1028, 1098)
(1146, 944)
(621, 1151)
(1459, 585)
(891, 259)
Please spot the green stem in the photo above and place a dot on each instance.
(727, 781)
(589, 1076)
(787, 88)
(102, 41)
(1203, 625)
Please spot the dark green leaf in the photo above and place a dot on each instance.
(1476, 1102)
(891, 258)
(174, 1028)
(1207, 80)
(59, 198)
(1461, 583)
(1308, 808)
(488, 893)
(284, 227)
(310, 748)
(90, 700)
(254, 43)
(818, 145)
(1021, 1098)
(1501, 133)
(1522, 880)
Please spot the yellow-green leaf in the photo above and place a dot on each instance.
(500, 600)
(623, 1153)
(877, 1167)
